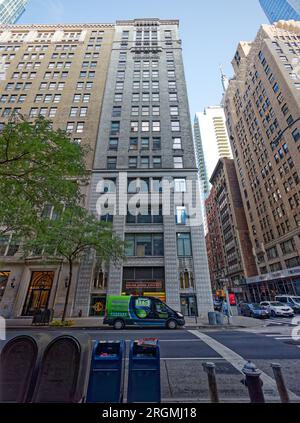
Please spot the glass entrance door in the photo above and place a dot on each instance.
(188, 305)
(38, 292)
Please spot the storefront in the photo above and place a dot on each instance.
(145, 281)
(266, 287)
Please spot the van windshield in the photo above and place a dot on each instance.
(296, 299)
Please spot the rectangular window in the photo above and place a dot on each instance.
(111, 163)
(156, 126)
(132, 162)
(177, 144)
(145, 143)
(133, 143)
(174, 111)
(118, 97)
(73, 111)
(83, 111)
(178, 162)
(116, 111)
(175, 126)
(134, 126)
(145, 162)
(156, 162)
(113, 143)
(115, 128)
(145, 126)
(156, 143)
(184, 247)
(80, 127)
(144, 245)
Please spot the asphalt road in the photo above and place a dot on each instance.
(183, 352)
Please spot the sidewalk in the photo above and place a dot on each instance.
(236, 322)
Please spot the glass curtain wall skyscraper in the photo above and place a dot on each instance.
(11, 10)
(277, 10)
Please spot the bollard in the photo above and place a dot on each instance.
(210, 369)
(283, 392)
(253, 383)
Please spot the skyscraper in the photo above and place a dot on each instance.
(120, 89)
(211, 144)
(277, 10)
(11, 10)
(262, 106)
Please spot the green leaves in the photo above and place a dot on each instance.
(38, 166)
(72, 234)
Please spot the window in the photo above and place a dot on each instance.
(39, 98)
(145, 97)
(156, 162)
(43, 111)
(144, 162)
(145, 110)
(116, 111)
(143, 245)
(113, 143)
(86, 98)
(156, 143)
(155, 97)
(111, 163)
(33, 112)
(174, 110)
(145, 126)
(57, 98)
(83, 111)
(73, 111)
(115, 128)
(178, 162)
(135, 97)
(134, 126)
(145, 143)
(175, 126)
(181, 215)
(132, 162)
(77, 98)
(80, 85)
(173, 97)
(70, 126)
(156, 126)
(52, 111)
(80, 127)
(296, 135)
(155, 110)
(133, 143)
(184, 247)
(177, 144)
(118, 97)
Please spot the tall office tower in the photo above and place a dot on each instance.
(262, 106)
(230, 252)
(11, 11)
(57, 71)
(211, 144)
(145, 143)
(277, 10)
(142, 147)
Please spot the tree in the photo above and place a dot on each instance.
(70, 236)
(38, 166)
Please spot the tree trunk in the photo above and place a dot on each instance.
(68, 291)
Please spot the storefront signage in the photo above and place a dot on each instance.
(143, 285)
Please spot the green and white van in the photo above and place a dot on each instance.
(122, 311)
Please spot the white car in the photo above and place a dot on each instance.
(278, 309)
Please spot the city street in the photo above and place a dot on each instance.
(184, 351)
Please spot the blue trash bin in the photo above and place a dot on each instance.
(107, 372)
(144, 372)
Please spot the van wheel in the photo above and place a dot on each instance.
(171, 324)
(119, 324)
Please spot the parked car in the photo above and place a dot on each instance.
(254, 310)
(277, 309)
(290, 301)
